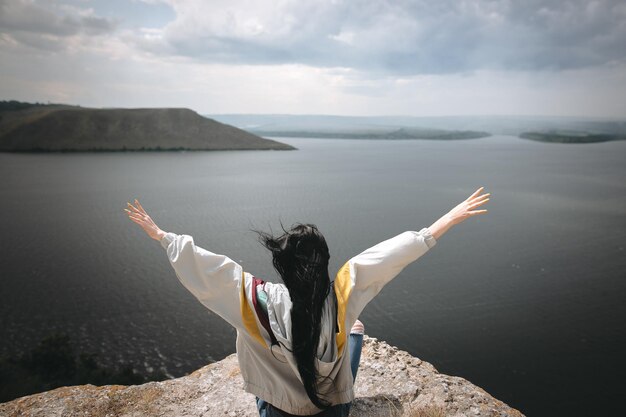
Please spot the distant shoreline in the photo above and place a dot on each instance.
(548, 129)
(60, 128)
(400, 134)
(154, 150)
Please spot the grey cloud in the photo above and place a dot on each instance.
(40, 25)
(96, 25)
(410, 37)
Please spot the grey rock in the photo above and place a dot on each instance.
(390, 383)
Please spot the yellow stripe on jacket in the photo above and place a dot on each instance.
(248, 317)
(343, 288)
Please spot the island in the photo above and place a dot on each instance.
(571, 137)
(384, 134)
(26, 127)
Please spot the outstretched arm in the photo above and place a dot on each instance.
(214, 279)
(363, 276)
(463, 211)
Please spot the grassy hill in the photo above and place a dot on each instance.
(27, 128)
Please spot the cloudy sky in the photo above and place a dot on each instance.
(349, 57)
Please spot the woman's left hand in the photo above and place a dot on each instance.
(139, 216)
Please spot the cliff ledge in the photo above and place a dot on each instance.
(390, 383)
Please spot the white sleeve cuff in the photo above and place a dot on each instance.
(167, 239)
(428, 237)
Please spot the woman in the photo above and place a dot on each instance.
(293, 347)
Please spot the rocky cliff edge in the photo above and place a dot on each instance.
(390, 383)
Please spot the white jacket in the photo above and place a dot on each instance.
(271, 372)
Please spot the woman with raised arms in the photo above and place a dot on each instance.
(299, 341)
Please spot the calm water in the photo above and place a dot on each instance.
(526, 301)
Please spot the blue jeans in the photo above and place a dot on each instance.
(355, 343)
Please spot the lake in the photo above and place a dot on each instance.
(526, 301)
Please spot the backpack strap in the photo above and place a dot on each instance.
(332, 284)
(262, 314)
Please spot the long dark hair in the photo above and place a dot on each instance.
(300, 256)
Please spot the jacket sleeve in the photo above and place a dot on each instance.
(368, 272)
(215, 280)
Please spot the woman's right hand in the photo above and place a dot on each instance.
(465, 209)
(461, 212)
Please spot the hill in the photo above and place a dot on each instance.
(53, 128)
(390, 383)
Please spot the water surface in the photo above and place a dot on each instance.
(527, 301)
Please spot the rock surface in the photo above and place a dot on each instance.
(390, 382)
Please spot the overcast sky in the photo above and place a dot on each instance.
(351, 57)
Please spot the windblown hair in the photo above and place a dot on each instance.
(301, 257)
